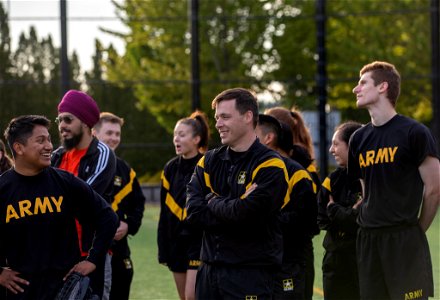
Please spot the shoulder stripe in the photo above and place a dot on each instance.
(165, 182)
(208, 181)
(273, 162)
(312, 169)
(104, 154)
(296, 177)
(326, 184)
(201, 162)
(124, 191)
(175, 208)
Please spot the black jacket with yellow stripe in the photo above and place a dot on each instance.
(128, 203)
(239, 230)
(172, 227)
(300, 213)
(339, 218)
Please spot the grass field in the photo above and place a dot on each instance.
(154, 281)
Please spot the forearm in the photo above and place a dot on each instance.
(105, 231)
(429, 210)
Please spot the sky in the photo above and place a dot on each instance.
(86, 16)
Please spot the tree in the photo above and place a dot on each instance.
(5, 66)
(358, 32)
(259, 43)
(32, 85)
(145, 144)
(158, 46)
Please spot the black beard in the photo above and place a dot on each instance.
(71, 143)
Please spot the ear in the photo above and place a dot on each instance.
(383, 87)
(18, 148)
(249, 117)
(270, 139)
(197, 139)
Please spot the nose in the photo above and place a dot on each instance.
(48, 145)
(356, 89)
(218, 123)
(330, 149)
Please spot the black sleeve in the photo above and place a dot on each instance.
(343, 217)
(323, 199)
(300, 212)
(92, 209)
(101, 179)
(162, 228)
(267, 198)
(133, 205)
(198, 213)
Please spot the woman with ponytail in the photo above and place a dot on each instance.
(179, 245)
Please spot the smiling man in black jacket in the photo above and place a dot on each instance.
(236, 194)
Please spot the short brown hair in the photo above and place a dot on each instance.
(385, 72)
(245, 100)
(108, 117)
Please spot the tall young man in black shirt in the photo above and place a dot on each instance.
(397, 160)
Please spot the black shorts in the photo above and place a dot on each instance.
(183, 257)
(394, 263)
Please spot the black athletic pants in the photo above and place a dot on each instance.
(232, 282)
(310, 269)
(340, 275)
(290, 282)
(122, 275)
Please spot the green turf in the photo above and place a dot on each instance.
(154, 281)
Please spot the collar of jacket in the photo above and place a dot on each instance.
(225, 150)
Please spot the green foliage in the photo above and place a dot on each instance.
(145, 145)
(30, 79)
(394, 31)
(157, 60)
(257, 43)
(269, 46)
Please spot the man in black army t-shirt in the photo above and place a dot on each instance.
(397, 161)
(38, 208)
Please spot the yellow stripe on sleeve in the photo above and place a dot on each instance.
(165, 182)
(175, 208)
(124, 191)
(326, 184)
(296, 177)
(273, 162)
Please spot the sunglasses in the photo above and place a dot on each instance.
(65, 119)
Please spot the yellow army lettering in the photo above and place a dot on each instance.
(40, 207)
(379, 156)
(414, 294)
